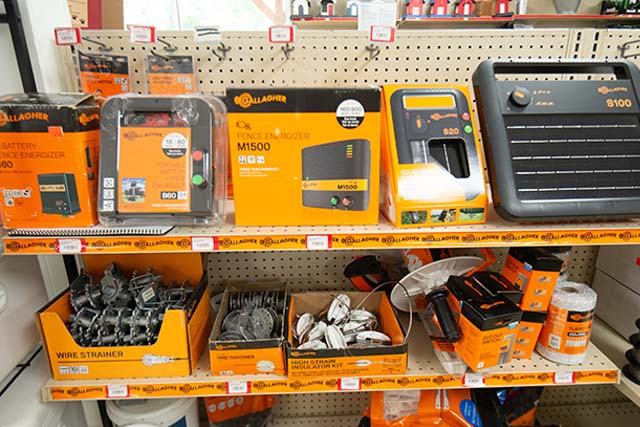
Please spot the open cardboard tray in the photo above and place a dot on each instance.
(382, 360)
(247, 357)
(181, 340)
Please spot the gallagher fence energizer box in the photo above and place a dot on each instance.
(305, 156)
(48, 159)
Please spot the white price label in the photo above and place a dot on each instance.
(563, 378)
(67, 36)
(349, 383)
(382, 34)
(473, 380)
(69, 246)
(142, 34)
(282, 34)
(318, 242)
(202, 244)
(238, 387)
(118, 391)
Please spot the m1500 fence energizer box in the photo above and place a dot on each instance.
(48, 160)
(305, 156)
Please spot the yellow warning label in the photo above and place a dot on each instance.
(52, 188)
(336, 185)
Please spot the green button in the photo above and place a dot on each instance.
(335, 200)
(197, 180)
(468, 129)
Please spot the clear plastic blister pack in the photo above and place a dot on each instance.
(163, 160)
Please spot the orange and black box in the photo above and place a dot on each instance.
(535, 272)
(495, 284)
(352, 362)
(181, 340)
(488, 325)
(247, 357)
(49, 145)
(528, 332)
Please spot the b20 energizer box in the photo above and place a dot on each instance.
(305, 156)
(49, 160)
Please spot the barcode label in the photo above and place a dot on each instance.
(473, 380)
(69, 246)
(237, 387)
(67, 36)
(382, 34)
(576, 343)
(282, 34)
(349, 383)
(563, 378)
(318, 242)
(142, 34)
(555, 342)
(118, 391)
(202, 244)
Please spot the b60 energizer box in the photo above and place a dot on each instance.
(305, 156)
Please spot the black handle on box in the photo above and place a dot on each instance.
(438, 298)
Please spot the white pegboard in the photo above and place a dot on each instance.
(339, 58)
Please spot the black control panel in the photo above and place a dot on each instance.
(561, 149)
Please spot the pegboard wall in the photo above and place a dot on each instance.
(340, 58)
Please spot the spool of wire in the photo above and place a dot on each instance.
(566, 331)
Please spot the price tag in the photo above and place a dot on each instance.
(349, 383)
(70, 246)
(318, 242)
(238, 387)
(563, 378)
(202, 244)
(118, 391)
(382, 34)
(282, 34)
(473, 380)
(67, 36)
(142, 34)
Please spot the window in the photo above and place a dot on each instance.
(228, 15)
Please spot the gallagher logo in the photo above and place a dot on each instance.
(28, 116)
(245, 100)
(85, 119)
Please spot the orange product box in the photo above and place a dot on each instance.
(351, 362)
(535, 272)
(528, 333)
(49, 147)
(495, 284)
(432, 162)
(246, 357)
(305, 156)
(181, 339)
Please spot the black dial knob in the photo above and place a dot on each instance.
(521, 97)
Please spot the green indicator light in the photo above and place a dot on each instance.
(468, 129)
(335, 200)
(197, 180)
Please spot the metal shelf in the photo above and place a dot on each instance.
(615, 346)
(424, 372)
(228, 237)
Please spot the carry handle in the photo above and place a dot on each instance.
(620, 68)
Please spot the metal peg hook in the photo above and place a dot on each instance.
(102, 47)
(373, 50)
(626, 46)
(167, 46)
(287, 49)
(154, 53)
(223, 50)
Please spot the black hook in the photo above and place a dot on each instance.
(167, 46)
(91, 55)
(103, 47)
(223, 49)
(373, 50)
(287, 49)
(154, 53)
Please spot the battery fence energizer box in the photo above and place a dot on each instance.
(305, 156)
(48, 160)
(163, 160)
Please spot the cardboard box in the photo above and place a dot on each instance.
(247, 357)
(49, 155)
(432, 161)
(384, 360)
(181, 340)
(528, 333)
(535, 272)
(305, 156)
(496, 284)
